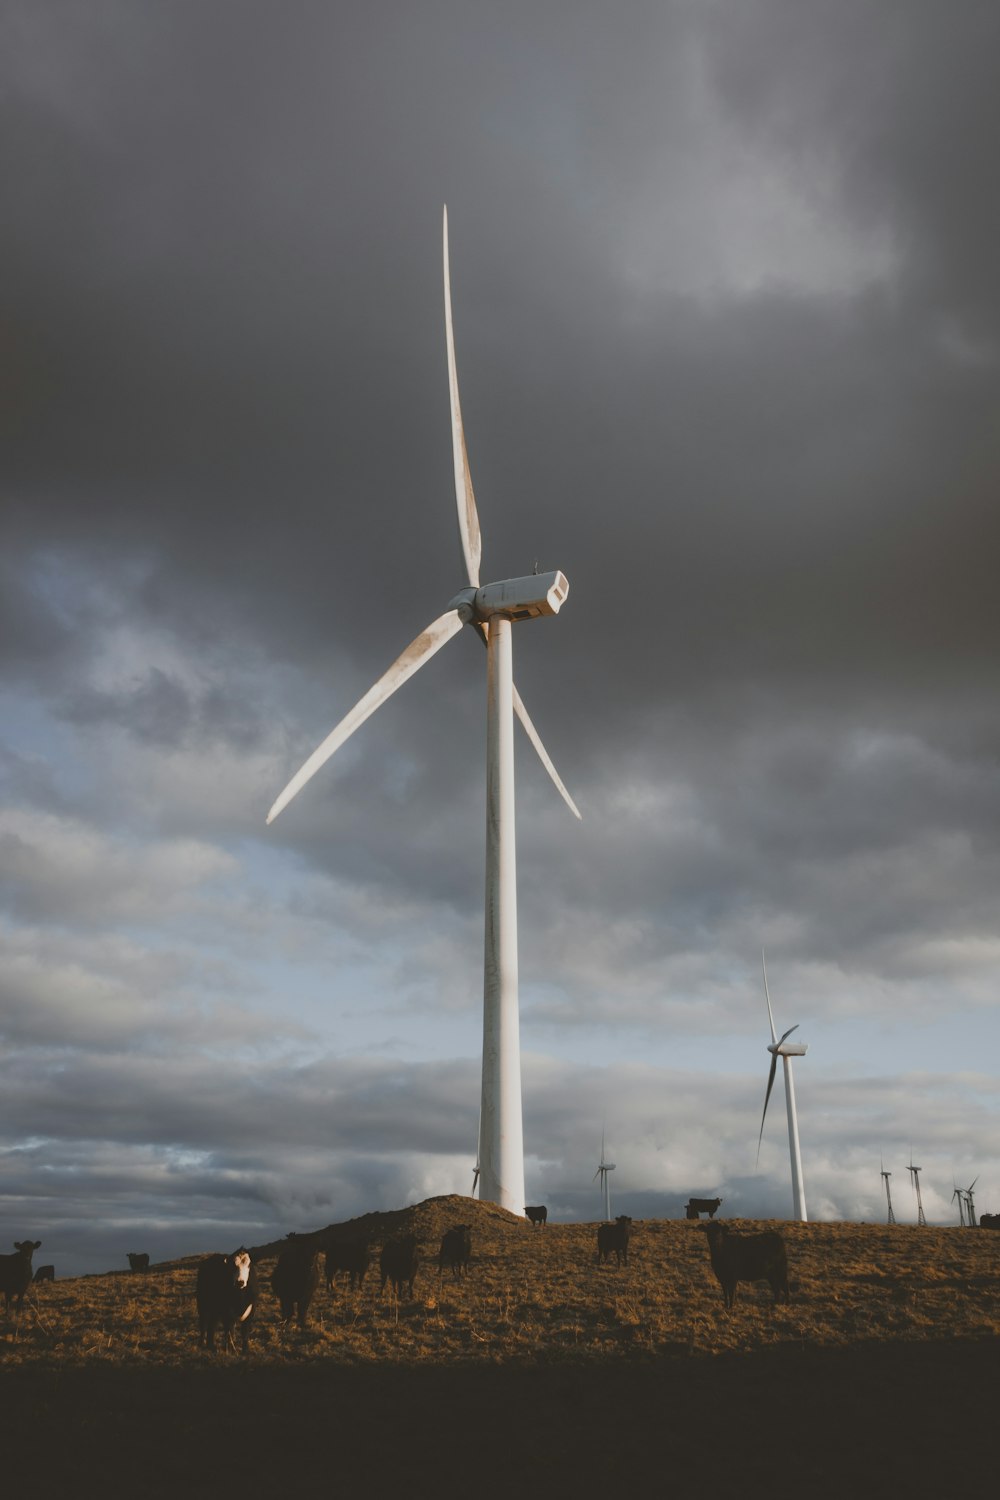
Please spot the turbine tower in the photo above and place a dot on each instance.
(888, 1194)
(960, 1195)
(781, 1047)
(970, 1202)
(476, 1169)
(915, 1178)
(602, 1173)
(490, 609)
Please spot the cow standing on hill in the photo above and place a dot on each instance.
(456, 1250)
(698, 1206)
(138, 1262)
(44, 1273)
(613, 1238)
(295, 1279)
(399, 1262)
(748, 1257)
(352, 1256)
(15, 1273)
(226, 1293)
(538, 1215)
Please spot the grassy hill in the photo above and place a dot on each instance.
(540, 1344)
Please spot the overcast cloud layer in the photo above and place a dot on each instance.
(728, 330)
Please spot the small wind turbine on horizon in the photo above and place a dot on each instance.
(915, 1179)
(490, 609)
(602, 1172)
(970, 1202)
(959, 1193)
(786, 1050)
(888, 1194)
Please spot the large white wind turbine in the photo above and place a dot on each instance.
(602, 1172)
(490, 609)
(786, 1050)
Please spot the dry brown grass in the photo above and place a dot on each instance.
(539, 1296)
(540, 1371)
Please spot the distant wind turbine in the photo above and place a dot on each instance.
(602, 1172)
(915, 1179)
(490, 609)
(960, 1195)
(781, 1047)
(888, 1194)
(970, 1202)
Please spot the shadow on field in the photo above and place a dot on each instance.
(793, 1420)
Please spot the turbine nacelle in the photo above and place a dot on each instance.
(513, 598)
(788, 1049)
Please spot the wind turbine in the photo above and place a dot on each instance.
(970, 1204)
(888, 1194)
(915, 1178)
(960, 1195)
(477, 1168)
(490, 609)
(781, 1047)
(602, 1173)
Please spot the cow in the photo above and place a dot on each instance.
(538, 1215)
(15, 1272)
(295, 1279)
(989, 1221)
(138, 1262)
(614, 1238)
(456, 1250)
(698, 1206)
(45, 1273)
(399, 1262)
(748, 1257)
(226, 1293)
(352, 1256)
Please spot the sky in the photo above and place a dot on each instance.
(727, 318)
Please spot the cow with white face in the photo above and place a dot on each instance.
(227, 1294)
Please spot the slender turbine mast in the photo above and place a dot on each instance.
(960, 1195)
(490, 609)
(970, 1202)
(781, 1047)
(888, 1194)
(602, 1173)
(915, 1179)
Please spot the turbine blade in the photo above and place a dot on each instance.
(789, 1032)
(543, 755)
(767, 997)
(416, 654)
(770, 1086)
(468, 516)
(482, 631)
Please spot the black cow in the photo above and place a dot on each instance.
(456, 1250)
(15, 1272)
(989, 1221)
(698, 1206)
(295, 1279)
(138, 1262)
(226, 1293)
(352, 1256)
(45, 1273)
(399, 1263)
(748, 1257)
(538, 1215)
(614, 1237)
